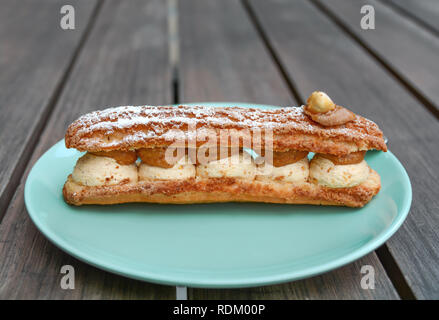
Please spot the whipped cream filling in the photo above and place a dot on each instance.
(236, 166)
(326, 173)
(91, 170)
(297, 172)
(183, 169)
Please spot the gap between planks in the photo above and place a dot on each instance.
(174, 58)
(394, 273)
(174, 48)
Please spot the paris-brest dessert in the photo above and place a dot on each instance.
(197, 154)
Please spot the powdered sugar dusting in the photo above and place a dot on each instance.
(130, 125)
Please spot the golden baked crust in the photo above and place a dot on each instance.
(209, 190)
(128, 128)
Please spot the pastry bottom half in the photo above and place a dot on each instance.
(210, 190)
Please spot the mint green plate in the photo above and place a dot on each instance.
(215, 245)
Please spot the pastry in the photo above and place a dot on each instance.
(196, 154)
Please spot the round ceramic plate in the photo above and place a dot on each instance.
(215, 245)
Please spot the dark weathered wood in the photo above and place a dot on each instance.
(341, 284)
(424, 11)
(410, 51)
(124, 61)
(225, 60)
(330, 60)
(34, 56)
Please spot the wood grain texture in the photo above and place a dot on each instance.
(426, 11)
(409, 50)
(124, 61)
(222, 57)
(34, 56)
(329, 60)
(225, 60)
(340, 284)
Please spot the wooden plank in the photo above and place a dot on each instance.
(411, 52)
(34, 56)
(222, 58)
(424, 11)
(124, 61)
(341, 284)
(334, 63)
(225, 60)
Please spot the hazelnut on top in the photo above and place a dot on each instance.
(321, 109)
(319, 102)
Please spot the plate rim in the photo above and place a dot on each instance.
(189, 281)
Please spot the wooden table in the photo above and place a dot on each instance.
(273, 52)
